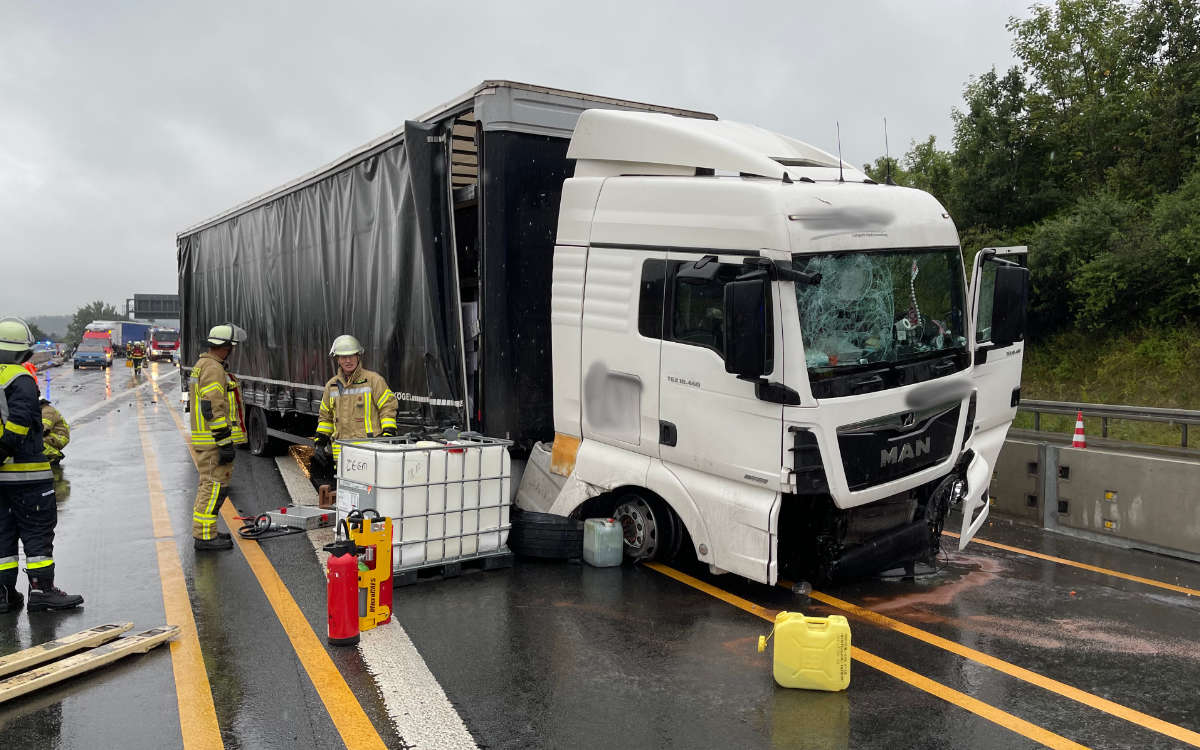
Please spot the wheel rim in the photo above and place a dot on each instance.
(639, 528)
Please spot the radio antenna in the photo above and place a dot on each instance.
(887, 155)
(841, 176)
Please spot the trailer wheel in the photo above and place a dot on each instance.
(260, 441)
(652, 530)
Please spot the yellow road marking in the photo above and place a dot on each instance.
(1084, 566)
(197, 714)
(948, 694)
(1088, 699)
(348, 716)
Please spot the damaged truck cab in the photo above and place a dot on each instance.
(763, 354)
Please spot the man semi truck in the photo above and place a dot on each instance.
(723, 336)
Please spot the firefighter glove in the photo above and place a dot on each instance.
(225, 454)
(388, 432)
(5, 452)
(321, 440)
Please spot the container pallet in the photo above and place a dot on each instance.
(452, 569)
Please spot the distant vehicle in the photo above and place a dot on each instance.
(131, 332)
(164, 343)
(93, 352)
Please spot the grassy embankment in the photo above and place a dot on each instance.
(1136, 368)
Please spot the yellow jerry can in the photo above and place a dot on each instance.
(810, 652)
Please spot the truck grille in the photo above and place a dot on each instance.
(891, 447)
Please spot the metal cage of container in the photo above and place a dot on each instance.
(410, 552)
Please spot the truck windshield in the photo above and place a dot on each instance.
(881, 313)
(165, 338)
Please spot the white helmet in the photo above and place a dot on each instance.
(345, 345)
(226, 334)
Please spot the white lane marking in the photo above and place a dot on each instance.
(416, 704)
(110, 401)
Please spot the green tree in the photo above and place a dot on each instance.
(97, 310)
(932, 170)
(1000, 164)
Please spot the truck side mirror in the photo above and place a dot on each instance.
(747, 326)
(1010, 300)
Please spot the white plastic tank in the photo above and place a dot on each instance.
(603, 542)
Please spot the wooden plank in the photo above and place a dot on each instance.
(60, 647)
(64, 669)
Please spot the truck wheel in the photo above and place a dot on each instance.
(652, 530)
(260, 441)
(76, 365)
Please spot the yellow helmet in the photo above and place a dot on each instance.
(345, 345)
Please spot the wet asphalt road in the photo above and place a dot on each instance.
(563, 655)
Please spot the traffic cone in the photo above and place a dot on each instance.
(1079, 441)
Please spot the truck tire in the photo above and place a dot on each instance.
(76, 365)
(651, 529)
(258, 439)
(545, 536)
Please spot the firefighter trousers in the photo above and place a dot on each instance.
(213, 489)
(28, 514)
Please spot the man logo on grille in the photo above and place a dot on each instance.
(905, 452)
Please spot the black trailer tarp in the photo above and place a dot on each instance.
(360, 251)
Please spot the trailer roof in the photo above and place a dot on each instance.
(460, 105)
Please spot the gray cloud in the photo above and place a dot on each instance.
(123, 122)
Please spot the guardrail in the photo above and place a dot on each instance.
(1181, 417)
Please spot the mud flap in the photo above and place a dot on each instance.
(975, 504)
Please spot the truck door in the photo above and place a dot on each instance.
(999, 296)
(710, 420)
(622, 336)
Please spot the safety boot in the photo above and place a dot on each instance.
(10, 599)
(43, 595)
(216, 543)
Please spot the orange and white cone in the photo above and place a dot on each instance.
(1079, 441)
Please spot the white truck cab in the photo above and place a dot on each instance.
(760, 352)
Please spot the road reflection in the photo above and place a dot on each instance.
(107, 383)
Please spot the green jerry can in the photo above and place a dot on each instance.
(810, 652)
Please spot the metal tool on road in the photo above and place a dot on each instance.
(62, 669)
(304, 517)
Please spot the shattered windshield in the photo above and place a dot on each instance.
(875, 308)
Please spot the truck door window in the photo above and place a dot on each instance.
(697, 309)
(650, 301)
(987, 289)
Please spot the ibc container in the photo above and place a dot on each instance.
(448, 500)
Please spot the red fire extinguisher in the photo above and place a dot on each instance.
(341, 593)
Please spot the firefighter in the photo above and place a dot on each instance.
(137, 355)
(28, 512)
(56, 433)
(216, 413)
(357, 403)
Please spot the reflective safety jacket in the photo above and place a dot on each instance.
(21, 435)
(358, 406)
(216, 404)
(56, 433)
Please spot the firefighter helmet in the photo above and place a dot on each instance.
(345, 345)
(16, 340)
(226, 334)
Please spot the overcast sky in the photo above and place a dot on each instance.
(123, 122)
